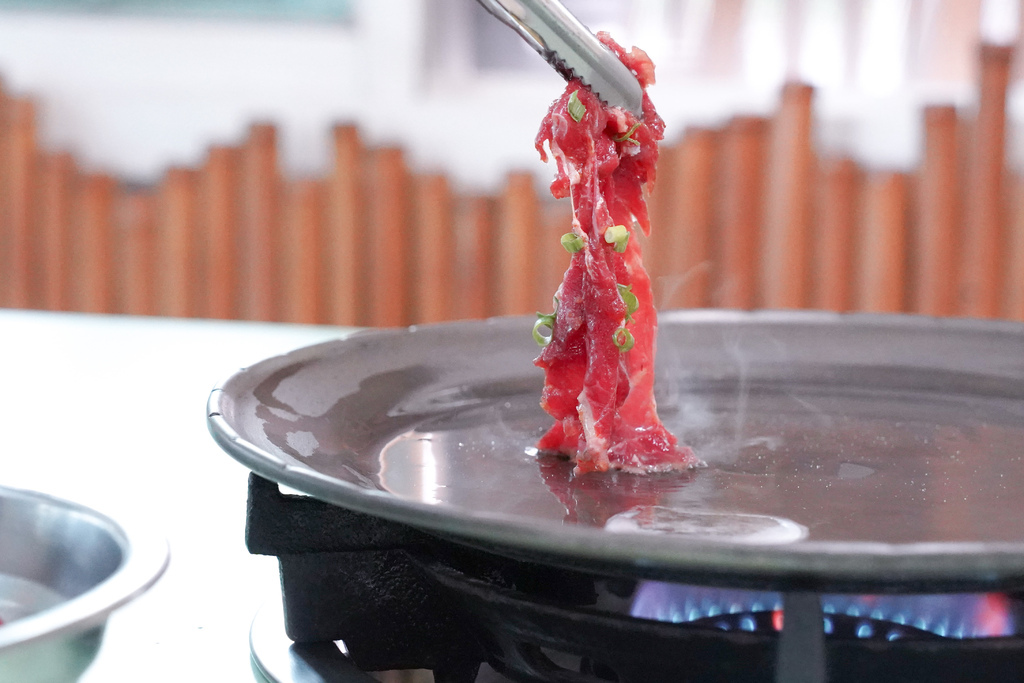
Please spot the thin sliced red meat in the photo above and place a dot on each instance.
(601, 396)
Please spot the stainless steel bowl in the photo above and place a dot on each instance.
(63, 569)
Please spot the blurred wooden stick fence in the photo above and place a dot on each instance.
(745, 216)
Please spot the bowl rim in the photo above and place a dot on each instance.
(145, 558)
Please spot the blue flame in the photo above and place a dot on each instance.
(956, 615)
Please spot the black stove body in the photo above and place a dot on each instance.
(401, 598)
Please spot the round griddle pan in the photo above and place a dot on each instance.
(843, 452)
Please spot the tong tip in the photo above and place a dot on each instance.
(571, 49)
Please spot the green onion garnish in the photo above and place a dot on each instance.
(572, 242)
(617, 235)
(628, 137)
(576, 108)
(543, 320)
(623, 339)
(629, 298)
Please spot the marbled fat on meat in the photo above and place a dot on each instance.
(601, 397)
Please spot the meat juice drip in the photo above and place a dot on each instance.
(599, 359)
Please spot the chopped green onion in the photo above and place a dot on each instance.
(629, 298)
(572, 242)
(577, 110)
(543, 320)
(623, 339)
(628, 137)
(617, 235)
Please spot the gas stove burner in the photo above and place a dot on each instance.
(837, 625)
(401, 599)
(864, 617)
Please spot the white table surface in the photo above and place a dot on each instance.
(108, 411)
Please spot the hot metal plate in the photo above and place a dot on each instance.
(843, 451)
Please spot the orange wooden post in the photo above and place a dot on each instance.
(434, 249)
(982, 248)
(883, 248)
(136, 249)
(302, 256)
(217, 220)
(18, 200)
(6, 232)
(1013, 301)
(178, 285)
(692, 208)
(475, 225)
(92, 279)
(934, 249)
(56, 192)
(345, 234)
(658, 254)
(259, 224)
(388, 237)
(739, 206)
(516, 245)
(1013, 284)
(786, 251)
(838, 209)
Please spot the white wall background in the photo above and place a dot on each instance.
(132, 95)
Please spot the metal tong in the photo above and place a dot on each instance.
(567, 45)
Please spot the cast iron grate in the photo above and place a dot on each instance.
(403, 599)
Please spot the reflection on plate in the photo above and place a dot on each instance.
(708, 526)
